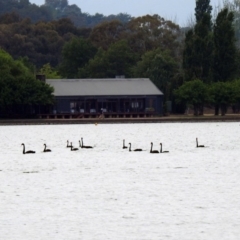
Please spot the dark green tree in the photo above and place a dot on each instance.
(202, 8)
(160, 67)
(19, 90)
(225, 51)
(97, 67)
(76, 55)
(120, 58)
(193, 93)
(117, 60)
(198, 50)
(222, 95)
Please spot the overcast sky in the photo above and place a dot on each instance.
(179, 11)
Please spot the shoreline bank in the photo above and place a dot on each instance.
(164, 119)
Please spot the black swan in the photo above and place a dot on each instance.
(199, 145)
(85, 146)
(27, 152)
(135, 150)
(68, 146)
(72, 148)
(153, 151)
(45, 148)
(124, 147)
(161, 151)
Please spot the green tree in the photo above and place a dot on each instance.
(148, 32)
(19, 88)
(97, 67)
(225, 51)
(76, 55)
(120, 58)
(193, 93)
(202, 8)
(234, 6)
(160, 67)
(107, 33)
(198, 50)
(117, 60)
(222, 95)
(49, 72)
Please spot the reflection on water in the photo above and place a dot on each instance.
(110, 193)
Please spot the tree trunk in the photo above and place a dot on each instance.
(195, 107)
(201, 108)
(223, 109)
(216, 109)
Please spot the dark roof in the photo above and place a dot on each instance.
(103, 87)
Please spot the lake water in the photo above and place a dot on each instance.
(110, 193)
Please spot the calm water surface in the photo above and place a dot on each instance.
(110, 193)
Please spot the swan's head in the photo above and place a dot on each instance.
(22, 144)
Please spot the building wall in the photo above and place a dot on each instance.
(152, 104)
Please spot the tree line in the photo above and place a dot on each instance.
(192, 67)
(210, 62)
(56, 9)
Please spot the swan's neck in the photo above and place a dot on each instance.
(151, 147)
(129, 147)
(197, 142)
(23, 149)
(161, 148)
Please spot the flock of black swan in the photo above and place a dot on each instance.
(81, 145)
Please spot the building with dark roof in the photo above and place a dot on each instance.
(120, 97)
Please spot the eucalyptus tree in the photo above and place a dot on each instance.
(118, 59)
(107, 33)
(75, 55)
(149, 32)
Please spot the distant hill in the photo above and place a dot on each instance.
(55, 10)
